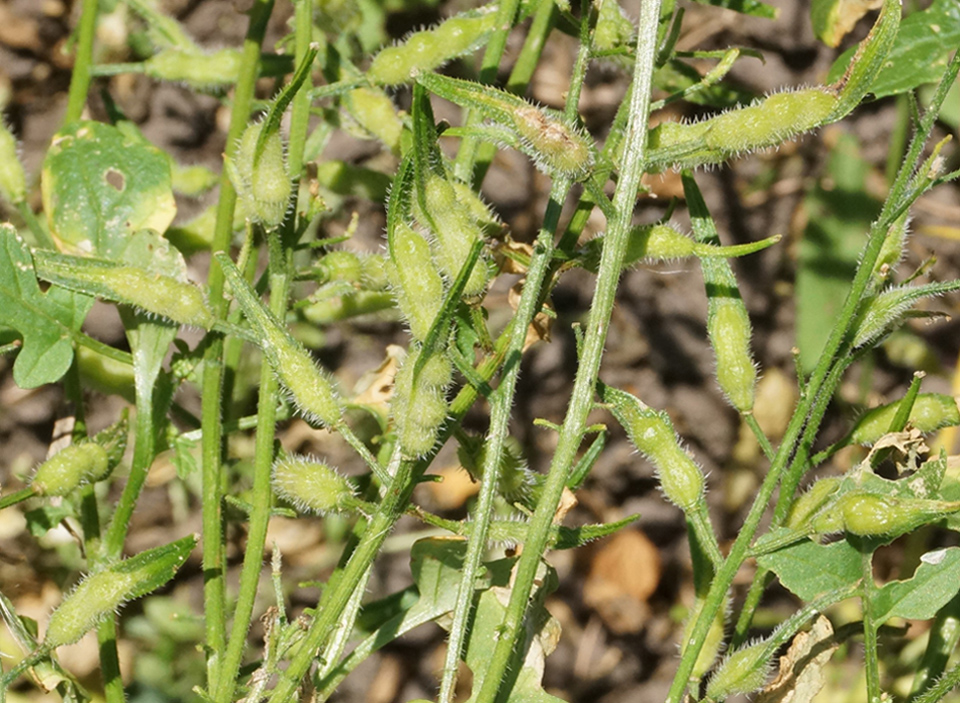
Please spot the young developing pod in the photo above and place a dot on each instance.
(930, 412)
(13, 181)
(374, 112)
(311, 389)
(263, 180)
(728, 327)
(81, 463)
(429, 49)
(872, 515)
(156, 294)
(419, 405)
(517, 483)
(416, 283)
(806, 508)
(652, 433)
(312, 486)
(196, 69)
(712, 643)
(555, 146)
(885, 311)
(892, 250)
(339, 266)
(101, 593)
(742, 671)
(456, 232)
(613, 30)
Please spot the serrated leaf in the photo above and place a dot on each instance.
(809, 569)
(46, 321)
(920, 52)
(935, 582)
(100, 185)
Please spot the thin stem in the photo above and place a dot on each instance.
(213, 370)
(41, 235)
(870, 654)
(944, 635)
(16, 497)
(758, 433)
(80, 80)
(611, 264)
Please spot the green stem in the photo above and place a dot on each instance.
(816, 387)
(870, 654)
(214, 596)
(581, 402)
(16, 497)
(758, 433)
(944, 635)
(80, 80)
(41, 235)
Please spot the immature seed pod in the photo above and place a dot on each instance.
(312, 486)
(264, 181)
(312, 390)
(728, 327)
(456, 232)
(652, 433)
(153, 293)
(81, 463)
(419, 405)
(339, 266)
(872, 515)
(375, 113)
(613, 29)
(102, 592)
(196, 69)
(892, 250)
(742, 671)
(431, 48)
(373, 272)
(416, 283)
(13, 181)
(930, 412)
(516, 483)
(712, 643)
(809, 504)
(555, 146)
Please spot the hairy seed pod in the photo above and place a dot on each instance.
(197, 69)
(742, 671)
(264, 180)
(613, 29)
(456, 232)
(417, 284)
(545, 136)
(424, 51)
(712, 643)
(312, 390)
(153, 293)
(13, 181)
(886, 310)
(375, 113)
(809, 504)
(892, 250)
(339, 266)
(101, 593)
(728, 327)
(652, 433)
(373, 272)
(930, 412)
(516, 483)
(312, 486)
(871, 515)
(419, 405)
(70, 468)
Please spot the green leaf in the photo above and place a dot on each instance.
(920, 51)
(100, 185)
(46, 321)
(46, 518)
(809, 569)
(935, 582)
(833, 19)
(837, 217)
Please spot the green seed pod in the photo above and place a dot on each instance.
(728, 327)
(930, 412)
(712, 644)
(13, 181)
(479, 210)
(424, 51)
(375, 113)
(614, 29)
(312, 390)
(101, 593)
(544, 135)
(265, 181)
(517, 483)
(776, 119)
(195, 68)
(419, 406)
(809, 504)
(652, 433)
(71, 468)
(312, 486)
(153, 293)
(417, 284)
(742, 671)
(373, 273)
(339, 266)
(892, 250)
(456, 232)
(871, 515)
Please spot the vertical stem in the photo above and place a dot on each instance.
(80, 80)
(583, 392)
(211, 415)
(870, 654)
